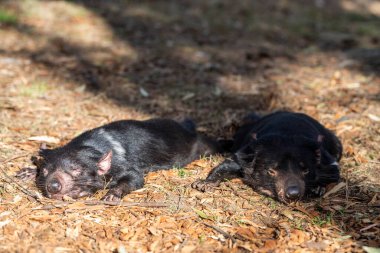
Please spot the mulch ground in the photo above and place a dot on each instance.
(68, 66)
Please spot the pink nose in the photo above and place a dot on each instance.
(54, 186)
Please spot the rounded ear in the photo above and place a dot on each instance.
(104, 163)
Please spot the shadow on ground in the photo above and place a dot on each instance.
(195, 58)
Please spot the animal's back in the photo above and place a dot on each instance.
(288, 124)
(163, 143)
(278, 123)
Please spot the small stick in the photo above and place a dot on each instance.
(182, 244)
(125, 204)
(335, 189)
(14, 158)
(219, 230)
(22, 188)
(296, 208)
(370, 226)
(347, 189)
(89, 236)
(59, 204)
(179, 201)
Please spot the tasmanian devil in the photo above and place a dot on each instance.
(285, 155)
(116, 156)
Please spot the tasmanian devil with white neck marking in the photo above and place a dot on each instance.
(116, 156)
(287, 156)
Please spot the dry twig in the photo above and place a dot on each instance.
(11, 180)
(60, 204)
(219, 230)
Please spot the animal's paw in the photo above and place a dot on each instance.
(111, 197)
(318, 191)
(26, 174)
(204, 185)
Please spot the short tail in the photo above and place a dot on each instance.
(189, 125)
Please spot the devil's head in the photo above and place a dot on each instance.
(283, 167)
(72, 173)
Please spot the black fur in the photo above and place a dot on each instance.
(284, 155)
(117, 155)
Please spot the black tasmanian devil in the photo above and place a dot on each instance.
(285, 155)
(116, 156)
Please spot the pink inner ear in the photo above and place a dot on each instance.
(254, 136)
(105, 163)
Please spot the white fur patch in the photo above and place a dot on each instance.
(335, 163)
(117, 147)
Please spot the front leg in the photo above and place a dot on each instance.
(229, 169)
(129, 182)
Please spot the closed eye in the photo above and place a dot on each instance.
(272, 172)
(75, 172)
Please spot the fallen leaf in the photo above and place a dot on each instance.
(143, 92)
(72, 233)
(201, 214)
(374, 117)
(6, 213)
(17, 199)
(371, 249)
(287, 214)
(188, 96)
(44, 138)
(121, 249)
(3, 223)
(246, 233)
(269, 244)
(188, 248)
(316, 245)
